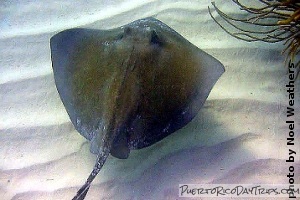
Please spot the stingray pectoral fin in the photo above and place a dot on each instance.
(211, 71)
(83, 70)
(172, 92)
(120, 148)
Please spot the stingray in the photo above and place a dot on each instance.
(129, 87)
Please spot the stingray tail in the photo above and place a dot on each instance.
(82, 192)
(101, 158)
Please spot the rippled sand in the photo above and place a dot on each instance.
(239, 136)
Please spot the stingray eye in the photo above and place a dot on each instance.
(155, 40)
(127, 31)
(120, 36)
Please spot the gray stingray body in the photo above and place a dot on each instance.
(129, 87)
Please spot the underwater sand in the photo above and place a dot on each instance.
(239, 136)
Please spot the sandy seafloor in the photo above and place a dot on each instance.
(238, 137)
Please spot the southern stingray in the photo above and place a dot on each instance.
(129, 87)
